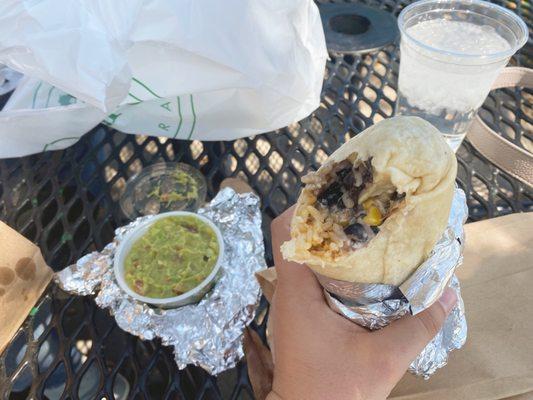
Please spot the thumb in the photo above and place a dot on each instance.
(408, 336)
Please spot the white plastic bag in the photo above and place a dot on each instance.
(190, 69)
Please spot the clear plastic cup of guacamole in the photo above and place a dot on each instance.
(170, 261)
(163, 187)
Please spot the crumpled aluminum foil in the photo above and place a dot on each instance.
(375, 305)
(207, 334)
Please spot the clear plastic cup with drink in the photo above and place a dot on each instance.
(451, 54)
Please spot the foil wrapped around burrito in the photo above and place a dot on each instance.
(375, 305)
(207, 334)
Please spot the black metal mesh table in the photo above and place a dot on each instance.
(67, 203)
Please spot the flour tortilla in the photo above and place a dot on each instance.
(410, 154)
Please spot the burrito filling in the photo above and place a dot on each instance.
(343, 207)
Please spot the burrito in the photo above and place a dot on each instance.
(374, 210)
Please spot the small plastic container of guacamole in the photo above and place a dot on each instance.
(170, 261)
(163, 187)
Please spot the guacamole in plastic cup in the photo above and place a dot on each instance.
(171, 260)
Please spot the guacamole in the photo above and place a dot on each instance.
(174, 256)
(187, 189)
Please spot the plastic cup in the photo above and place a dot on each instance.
(192, 296)
(443, 78)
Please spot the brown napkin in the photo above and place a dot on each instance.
(496, 278)
(23, 277)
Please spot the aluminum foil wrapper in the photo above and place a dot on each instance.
(375, 305)
(207, 334)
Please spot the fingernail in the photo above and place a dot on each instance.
(448, 299)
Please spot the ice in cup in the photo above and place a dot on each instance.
(451, 53)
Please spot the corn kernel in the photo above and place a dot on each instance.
(373, 216)
(367, 204)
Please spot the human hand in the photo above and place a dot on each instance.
(319, 354)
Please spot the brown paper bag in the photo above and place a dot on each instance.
(24, 276)
(496, 279)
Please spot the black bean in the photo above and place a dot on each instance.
(366, 171)
(343, 173)
(357, 231)
(354, 194)
(332, 195)
(349, 180)
(397, 197)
